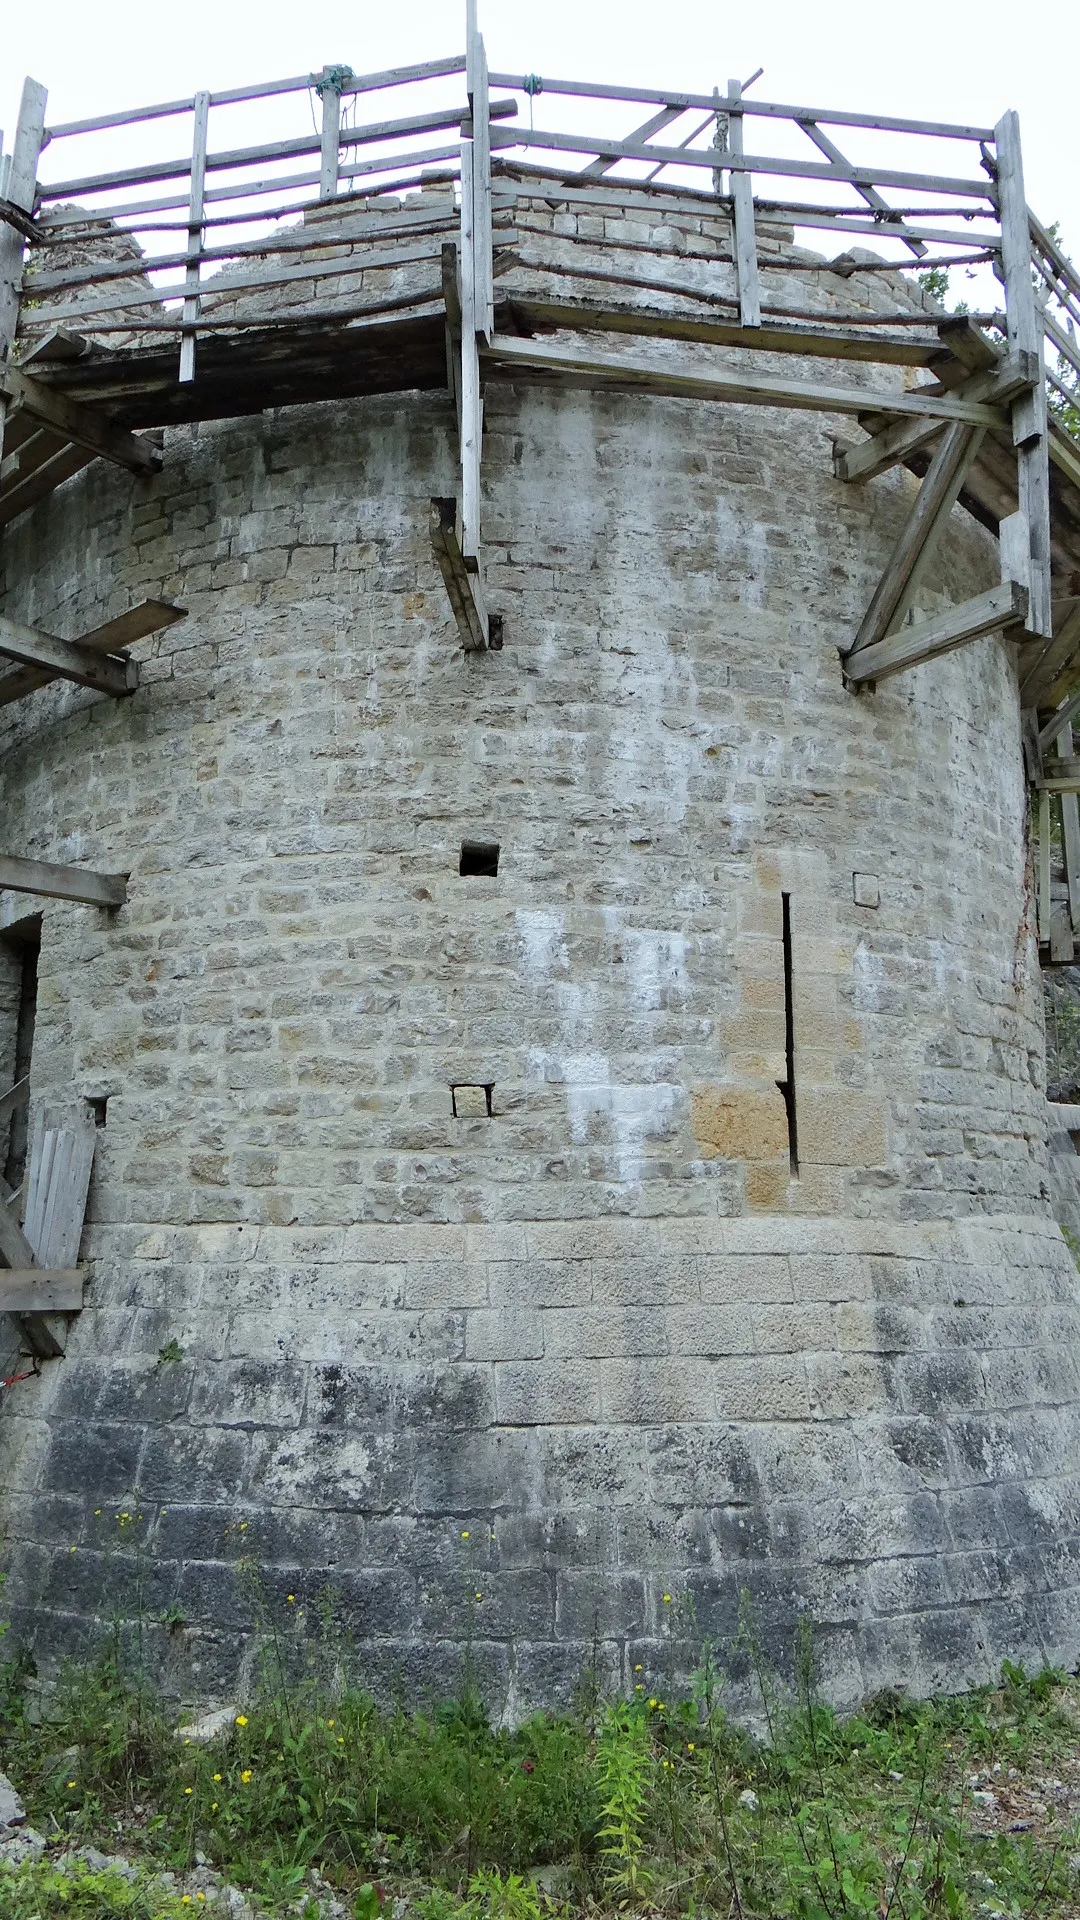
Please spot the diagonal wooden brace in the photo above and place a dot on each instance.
(79, 423)
(58, 658)
(478, 629)
(149, 616)
(934, 502)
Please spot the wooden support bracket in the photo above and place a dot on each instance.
(60, 660)
(62, 883)
(895, 442)
(479, 630)
(1001, 607)
(934, 502)
(79, 423)
(149, 616)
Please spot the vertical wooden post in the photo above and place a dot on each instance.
(471, 403)
(330, 95)
(1044, 869)
(1070, 830)
(720, 143)
(484, 279)
(196, 208)
(742, 195)
(21, 185)
(1025, 336)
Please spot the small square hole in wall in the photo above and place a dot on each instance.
(479, 857)
(98, 1110)
(471, 1101)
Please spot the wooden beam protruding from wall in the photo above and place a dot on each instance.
(61, 660)
(149, 616)
(478, 628)
(62, 883)
(79, 423)
(1002, 607)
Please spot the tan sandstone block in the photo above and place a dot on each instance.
(739, 1123)
(768, 1183)
(841, 1127)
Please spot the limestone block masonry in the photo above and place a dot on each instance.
(730, 1265)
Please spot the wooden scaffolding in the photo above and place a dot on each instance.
(206, 287)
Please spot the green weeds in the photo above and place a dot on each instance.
(642, 1804)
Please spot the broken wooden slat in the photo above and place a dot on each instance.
(56, 1203)
(60, 660)
(29, 1290)
(1001, 607)
(574, 366)
(78, 423)
(462, 585)
(148, 617)
(62, 883)
(934, 502)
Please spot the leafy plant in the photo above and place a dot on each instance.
(624, 1770)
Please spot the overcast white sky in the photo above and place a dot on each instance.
(921, 58)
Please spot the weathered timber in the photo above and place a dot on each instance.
(894, 443)
(574, 367)
(934, 502)
(828, 342)
(999, 608)
(742, 200)
(96, 434)
(147, 617)
(15, 1097)
(1025, 336)
(463, 587)
(41, 1290)
(195, 234)
(63, 661)
(62, 883)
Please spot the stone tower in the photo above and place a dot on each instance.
(569, 1115)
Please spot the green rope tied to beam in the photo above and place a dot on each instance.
(333, 80)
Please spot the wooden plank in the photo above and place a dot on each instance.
(62, 883)
(576, 367)
(195, 233)
(769, 109)
(934, 502)
(30, 1290)
(19, 186)
(655, 124)
(1001, 607)
(273, 151)
(148, 617)
(1025, 335)
(57, 1231)
(14, 1245)
(1039, 682)
(463, 584)
(78, 423)
(1043, 902)
(483, 277)
(557, 142)
(1070, 832)
(62, 661)
(895, 443)
(773, 335)
(330, 134)
(471, 402)
(742, 200)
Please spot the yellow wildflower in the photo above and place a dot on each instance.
(689, 1746)
(72, 1783)
(213, 1809)
(478, 1596)
(291, 1598)
(667, 1599)
(189, 1789)
(241, 1719)
(465, 1535)
(246, 1775)
(639, 1668)
(654, 1703)
(329, 1723)
(217, 1776)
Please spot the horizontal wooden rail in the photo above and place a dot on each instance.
(180, 169)
(579, 367)
(300, 83)
(41, 1289)
(552, 142)
(828, 116)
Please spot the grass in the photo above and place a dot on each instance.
(641, 1805)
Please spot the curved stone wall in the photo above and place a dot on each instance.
(575, 1335)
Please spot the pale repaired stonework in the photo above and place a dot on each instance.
(599, 1343)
